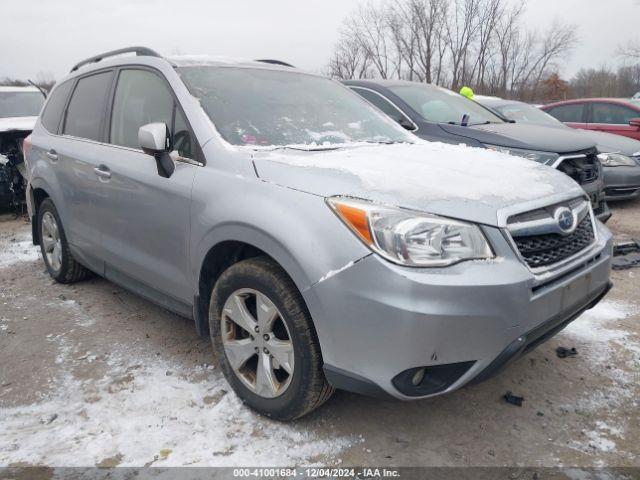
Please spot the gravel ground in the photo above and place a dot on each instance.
(93, 375)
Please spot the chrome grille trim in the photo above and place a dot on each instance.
(515, 227)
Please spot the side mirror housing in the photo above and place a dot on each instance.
(154, 140)
(635, 122)
(406, 124)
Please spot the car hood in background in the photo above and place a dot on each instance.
(17, 123)
(451, 180)
(525, 136)
(609, 142)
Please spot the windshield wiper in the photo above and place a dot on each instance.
(302, 148)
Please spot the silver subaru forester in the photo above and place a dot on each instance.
(320, 245)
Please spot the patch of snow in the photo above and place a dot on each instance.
(597, 328)
(598, 441)
(435, 171)
(142, 414)
(22, 250)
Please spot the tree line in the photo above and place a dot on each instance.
(480, 43)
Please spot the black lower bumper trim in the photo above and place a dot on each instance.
(352, 382)
(527, 342)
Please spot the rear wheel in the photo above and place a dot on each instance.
(265, 342)
(54, 247)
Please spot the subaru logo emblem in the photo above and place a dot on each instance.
(565, 220)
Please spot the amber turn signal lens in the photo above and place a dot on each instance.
(356, 218)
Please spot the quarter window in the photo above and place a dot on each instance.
(55, 106)
(573, 112)
(612, 113)
(143, 97)
(86, 107)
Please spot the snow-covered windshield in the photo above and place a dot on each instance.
(262, 107)
(440, 105)
(20, 104)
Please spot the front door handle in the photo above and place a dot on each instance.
(52, 155)
(103, 172)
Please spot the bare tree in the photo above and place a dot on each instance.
(630, 51)
(480, 43)
(349, 59)
(460, 31)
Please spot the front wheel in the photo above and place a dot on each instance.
(265, 342)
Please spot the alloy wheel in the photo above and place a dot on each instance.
(51, 242)
(257, 343)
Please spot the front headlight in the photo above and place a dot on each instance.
(411, 238)
(546, 158)
(616, 160)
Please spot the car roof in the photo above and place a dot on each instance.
(389, 83)
(145, 56)
(18, 89)
(621, 101)
(222, 61)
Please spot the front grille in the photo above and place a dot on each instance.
(583, 169)
(551, 248)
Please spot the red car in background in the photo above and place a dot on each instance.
(613, 115)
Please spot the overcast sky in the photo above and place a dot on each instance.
(52, 35)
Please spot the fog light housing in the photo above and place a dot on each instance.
(428, 380)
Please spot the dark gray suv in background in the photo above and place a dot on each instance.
(318, 243)
(437, 114)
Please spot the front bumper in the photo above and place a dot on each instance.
(376, 321)
(622, 183)
(595, 192)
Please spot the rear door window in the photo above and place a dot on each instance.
(143, 97)
(573, 112)
(611, 113)
(55, 106)
(87, 106)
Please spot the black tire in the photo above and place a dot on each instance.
(70, 270)
(308, 387)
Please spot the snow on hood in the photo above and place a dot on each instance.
(17, 123)
(454, 180)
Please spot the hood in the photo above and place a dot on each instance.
(525, 136)
(608, 142)
(17, 123)
(451, 180)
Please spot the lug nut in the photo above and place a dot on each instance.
(266, 337)
(266, 351)
(257, 329)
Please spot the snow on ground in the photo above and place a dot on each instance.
(22, 250)
(600, 337)
(597, 328)
(151, 412)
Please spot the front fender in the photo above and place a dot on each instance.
(298, 230)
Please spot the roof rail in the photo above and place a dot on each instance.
(275, 62)
(137, 50)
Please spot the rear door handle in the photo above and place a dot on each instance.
(52, 155)
(103, 172)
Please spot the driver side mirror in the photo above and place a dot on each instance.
(406, 124)
(635, 122)
(154, 139)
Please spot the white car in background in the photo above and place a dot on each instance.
(19, 109)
